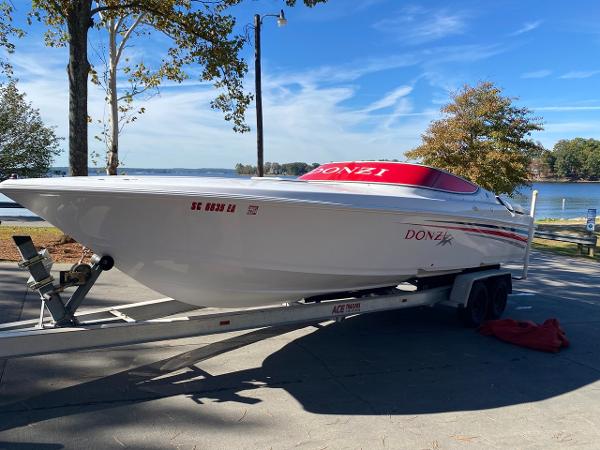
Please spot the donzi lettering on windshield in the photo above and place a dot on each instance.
(350, 170)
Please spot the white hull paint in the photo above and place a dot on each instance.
(284, 240)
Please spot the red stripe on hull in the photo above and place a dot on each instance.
(478, 230)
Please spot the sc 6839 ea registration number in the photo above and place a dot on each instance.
(213, 207)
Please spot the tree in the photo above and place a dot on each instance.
(592, 160)
(120, 29)
(569, 159)
(27, 146)
(577, 158)
(7, 31)
(200, 33)
(275, 168)
(548, 163)
(142, 79)
(482, 137)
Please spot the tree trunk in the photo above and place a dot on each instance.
(113, 144)
(78, 24)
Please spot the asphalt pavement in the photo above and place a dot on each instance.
(405, 379)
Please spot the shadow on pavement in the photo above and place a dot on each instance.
(401, 362)
(573, 278)
(29, 446)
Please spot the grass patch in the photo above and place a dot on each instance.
(576, 221)
(563, 226)
(7, 232)
(560, 248)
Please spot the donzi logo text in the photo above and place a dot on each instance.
(425, 235)
(349, 170)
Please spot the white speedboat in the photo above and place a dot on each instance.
(245, 242)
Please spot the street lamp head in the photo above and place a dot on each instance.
(281, 20)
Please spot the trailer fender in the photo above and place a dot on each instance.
(461, 288)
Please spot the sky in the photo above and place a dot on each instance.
(347, 80)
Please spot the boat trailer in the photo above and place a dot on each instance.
(478, 295)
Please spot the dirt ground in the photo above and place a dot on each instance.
(47, 237)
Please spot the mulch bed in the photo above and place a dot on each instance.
(49, 238)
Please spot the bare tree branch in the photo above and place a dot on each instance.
(126, 36)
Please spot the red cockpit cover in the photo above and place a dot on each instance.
(548, 337)
(391, 173)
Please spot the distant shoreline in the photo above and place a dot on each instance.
(561, 180)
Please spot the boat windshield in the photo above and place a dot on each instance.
(403, 174)
(516, 208)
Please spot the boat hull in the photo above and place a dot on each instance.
(215, 250)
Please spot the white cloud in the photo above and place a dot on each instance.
(461, 53)
(306, 118)
(310, 115)
(348, 72)
(313, 125)
(578, 74)
(336, 10)
(390, 99)
(537, 74)
(527, 27)
(416, 25)
(592, 126)
(554, 131)
(568, 108)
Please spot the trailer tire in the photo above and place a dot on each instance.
(498, 298)
(478, 305)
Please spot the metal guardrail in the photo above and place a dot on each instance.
(10, 205)
(575, 239)
(582, 241)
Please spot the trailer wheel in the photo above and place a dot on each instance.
(476, 311)
(498, 299)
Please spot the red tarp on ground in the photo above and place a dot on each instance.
(548, 337)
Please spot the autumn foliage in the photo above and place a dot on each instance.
(482, 137)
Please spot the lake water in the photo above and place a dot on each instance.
(578, 197)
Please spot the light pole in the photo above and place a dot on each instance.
(281, 21)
